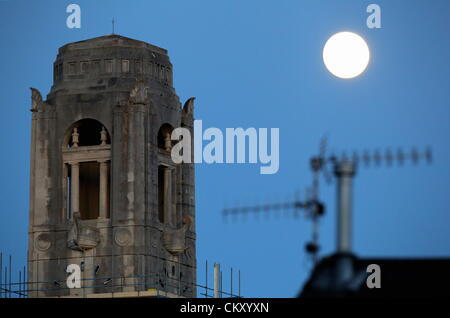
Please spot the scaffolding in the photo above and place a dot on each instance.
(152, 285)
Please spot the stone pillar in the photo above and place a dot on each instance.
(168, 196)
(75, 187)
(66, 208)
(103, 199)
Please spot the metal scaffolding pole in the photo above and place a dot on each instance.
(216, 280)
(10, 269)
(206, 278)
(1, 275)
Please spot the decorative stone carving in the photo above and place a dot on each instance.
(75, 137)
(43, 242)
(175, 240)
(122, 237)
(188, 107)
(189, 250)
(82, 237)
(139, 93)
(103, 136)
(167, 141)
(36, 99)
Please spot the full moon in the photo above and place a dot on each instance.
(346, 55)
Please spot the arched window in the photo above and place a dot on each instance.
(87, 132)
(86, 156)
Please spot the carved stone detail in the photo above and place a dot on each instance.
(175, 240)
(36, 99)
(188, 107)
(82, 237)
(139, 93)
(43, 242)
(123, 237)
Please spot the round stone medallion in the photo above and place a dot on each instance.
(122, 237)
(43, 242)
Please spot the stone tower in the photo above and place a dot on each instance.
(104, 192)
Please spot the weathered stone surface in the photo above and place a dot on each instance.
(126, 85)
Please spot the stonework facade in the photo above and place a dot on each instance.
(104, 192)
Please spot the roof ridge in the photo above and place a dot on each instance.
(113, 36)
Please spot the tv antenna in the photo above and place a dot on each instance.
(311, 206)
(343, 168)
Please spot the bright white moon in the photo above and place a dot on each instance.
(346, 54)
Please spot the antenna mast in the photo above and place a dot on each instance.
(344, 168)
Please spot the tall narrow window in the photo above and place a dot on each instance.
(166, 184)
(108, 66)
(89, 190)
(72, 68)
(162, 75)
(150, 68)
(125, 66)
(96, 67)
(169, 76)
(60, 71)
(55, 72)
(84, 67)
(138, 67)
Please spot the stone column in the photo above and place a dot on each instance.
(167, 196)
(75, 187)
(103, 199)
(66, 209)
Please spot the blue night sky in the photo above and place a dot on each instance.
(259, 64)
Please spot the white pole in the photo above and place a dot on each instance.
(216, 280)
(344, 172)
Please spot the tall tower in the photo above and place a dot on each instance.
(104, 192)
